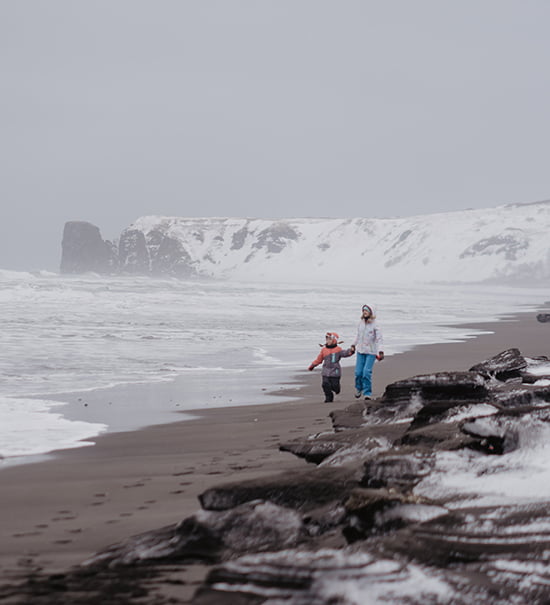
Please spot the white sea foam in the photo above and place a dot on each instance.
(32, 426)
(62, 334)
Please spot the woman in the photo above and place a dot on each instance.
(367, 344)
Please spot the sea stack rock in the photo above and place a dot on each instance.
(153, 253)
(83, 250)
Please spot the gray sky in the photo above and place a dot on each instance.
(113, 109)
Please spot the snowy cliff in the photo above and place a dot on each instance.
(508, 243)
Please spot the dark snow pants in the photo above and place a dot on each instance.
(330, 384)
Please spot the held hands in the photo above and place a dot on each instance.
(311, 368)
(380, 356)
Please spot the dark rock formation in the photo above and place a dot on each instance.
(452, 387)
(375, 511)
(351, 417)
(399, 469)
(302, 491)
(503, 366)
(154, 253)
(211, 537)
(370, 523)
(133, 253)
(323, 447)
(275, 238)
(168, 256)
(83, 250)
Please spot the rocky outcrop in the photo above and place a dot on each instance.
(503, 366)
(83, 250)
(211, 537)
(371, 521)
(168, 256)
(153, 253)
(133, 253)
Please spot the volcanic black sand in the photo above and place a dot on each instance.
(59, 512)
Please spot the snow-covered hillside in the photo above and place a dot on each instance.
(508, 243)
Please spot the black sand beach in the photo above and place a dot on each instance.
(57, 513)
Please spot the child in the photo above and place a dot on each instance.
(330, 356)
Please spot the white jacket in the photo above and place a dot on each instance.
(369, 338)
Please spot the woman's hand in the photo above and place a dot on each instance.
(380, 356)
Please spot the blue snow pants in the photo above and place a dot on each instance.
(364, 363)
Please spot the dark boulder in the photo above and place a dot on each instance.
(517, 396)
(350, 417)
(318, 449)
(437, 387)
(473, 534)
(397, 469)
(437, 437)
(329, 577)
(210, 537)
(504, 366)
(302, 491)
(372, 511)
(353, 444)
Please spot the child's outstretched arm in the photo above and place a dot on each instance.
(317, 361)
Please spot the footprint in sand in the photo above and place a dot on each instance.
(112, 521)
(42, 526)
(142, 507)
(126, 514)
(134, 485)
(150, 501)
(62, 541)
(74, 531)
(25, 561)
(97, 503)
(27, 533)
(183, 473)
(178, 491)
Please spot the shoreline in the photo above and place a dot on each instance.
(60, 511)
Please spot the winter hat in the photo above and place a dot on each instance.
(367, 308)
(333, 337)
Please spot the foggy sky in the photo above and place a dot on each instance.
(114, 109)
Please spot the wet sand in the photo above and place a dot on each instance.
(58, 512)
